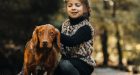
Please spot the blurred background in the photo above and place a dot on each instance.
(116, 24)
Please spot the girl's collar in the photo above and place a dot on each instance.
(77, 20)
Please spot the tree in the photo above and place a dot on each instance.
(104, 40)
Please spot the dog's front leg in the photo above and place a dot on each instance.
(26, 70)
(50, 72)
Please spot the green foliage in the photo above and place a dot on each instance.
(127, 20)
(127, 16)
(127, 4)
(138, 17)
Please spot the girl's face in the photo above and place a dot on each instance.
(75, 8)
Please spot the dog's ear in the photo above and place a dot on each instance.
(34, 39)
(57, 38)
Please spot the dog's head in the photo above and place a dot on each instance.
(45, 36)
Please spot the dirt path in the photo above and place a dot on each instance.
(109, 71)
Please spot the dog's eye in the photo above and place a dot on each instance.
(39, 33)
(52, 33)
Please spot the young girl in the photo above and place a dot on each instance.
(77, 40)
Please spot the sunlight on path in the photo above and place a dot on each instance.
(109, 71)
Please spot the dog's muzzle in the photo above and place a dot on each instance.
(44, 43)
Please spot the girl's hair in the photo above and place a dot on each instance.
(86, 7)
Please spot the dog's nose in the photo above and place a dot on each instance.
(45, 43)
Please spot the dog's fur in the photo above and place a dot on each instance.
(42, 51)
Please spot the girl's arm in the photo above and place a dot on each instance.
(83, 34)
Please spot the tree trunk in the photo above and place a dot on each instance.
(104, 39)
(117, 34)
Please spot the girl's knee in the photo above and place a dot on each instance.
(65, 65)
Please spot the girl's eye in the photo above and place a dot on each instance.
(69, 5)
(78, 4)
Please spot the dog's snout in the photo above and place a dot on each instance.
(45, 43)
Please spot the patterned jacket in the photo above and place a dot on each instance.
(84, 49)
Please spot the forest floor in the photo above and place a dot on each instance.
(110, 71)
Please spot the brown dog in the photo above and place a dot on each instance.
(42, 52)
